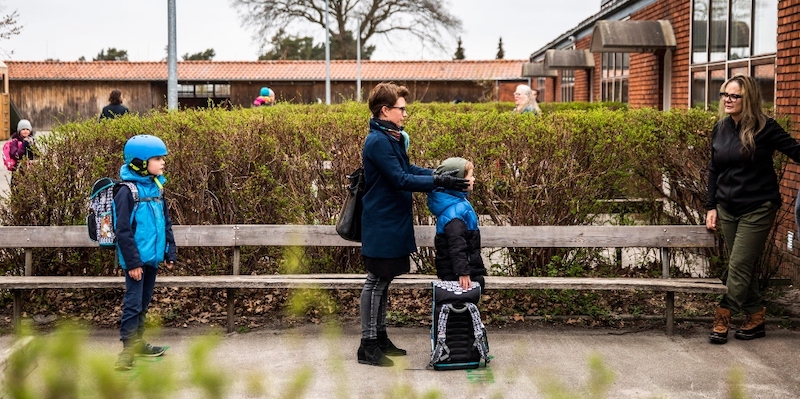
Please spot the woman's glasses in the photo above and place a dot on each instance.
(730, 96)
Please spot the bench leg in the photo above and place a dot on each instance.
(670, 313)
(231, 299)
(17, 313)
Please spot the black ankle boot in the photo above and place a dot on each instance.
(370, 353)
(387, 347)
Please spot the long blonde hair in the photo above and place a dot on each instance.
(753, 117)
(526, 90)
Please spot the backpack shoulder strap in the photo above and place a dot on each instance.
(131, 186)
(479, 331)
(441, 351)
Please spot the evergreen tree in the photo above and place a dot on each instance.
(112, 55)
(500, 52)
(292, 47)
(459, 51)
(207, 55)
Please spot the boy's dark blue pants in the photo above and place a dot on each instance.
(134, 304)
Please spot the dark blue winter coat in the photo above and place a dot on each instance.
(144, 230)
(387, 224)
(458, 238)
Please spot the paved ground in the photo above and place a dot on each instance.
(646, 364)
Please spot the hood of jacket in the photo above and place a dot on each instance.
(440, 199)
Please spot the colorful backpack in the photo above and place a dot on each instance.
(8, 160)
(100, 221)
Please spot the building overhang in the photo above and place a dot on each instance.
(632, 36)
(537, 70)
(568, 59)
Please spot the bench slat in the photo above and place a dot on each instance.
(356, 281)
(673, 236)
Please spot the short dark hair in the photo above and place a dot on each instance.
(385, 95)
(115, 97)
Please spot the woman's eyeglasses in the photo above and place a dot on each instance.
(730, 96)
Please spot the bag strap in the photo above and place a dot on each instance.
(441, 351)
(479, 330)
(134, 190)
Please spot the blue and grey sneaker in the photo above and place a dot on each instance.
(143, 348)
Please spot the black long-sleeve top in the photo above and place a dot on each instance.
(741, 183)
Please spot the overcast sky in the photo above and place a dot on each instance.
(68, 29)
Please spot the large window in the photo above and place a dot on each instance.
(731, 37)
(567, 85)
(203, 90)
(614, 77)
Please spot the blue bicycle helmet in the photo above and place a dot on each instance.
(265, 92)
(138, 149)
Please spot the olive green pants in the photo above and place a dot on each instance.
(745, 237)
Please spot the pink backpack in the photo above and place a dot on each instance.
(8, 160)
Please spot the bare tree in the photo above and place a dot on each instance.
(9, 27)
(428, 20)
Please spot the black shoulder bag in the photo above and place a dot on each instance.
(348, 226)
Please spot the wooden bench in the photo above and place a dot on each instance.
(237, 236)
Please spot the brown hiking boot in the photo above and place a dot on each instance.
(753, 326)
(722, 321)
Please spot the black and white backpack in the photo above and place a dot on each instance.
(100, 220)
(458, 336)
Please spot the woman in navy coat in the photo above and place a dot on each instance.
(387, 235)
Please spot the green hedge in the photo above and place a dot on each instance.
(286, 164)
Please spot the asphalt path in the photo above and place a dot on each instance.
(526, 362)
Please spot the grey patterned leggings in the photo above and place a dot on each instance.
(374, 298)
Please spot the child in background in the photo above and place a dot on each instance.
(458, 239)
(21, 145)
(267, 97)
(144, 240)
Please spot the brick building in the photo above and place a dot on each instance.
(675, 54)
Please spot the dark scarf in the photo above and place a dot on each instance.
(388, 127)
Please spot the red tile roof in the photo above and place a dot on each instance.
(267, 70)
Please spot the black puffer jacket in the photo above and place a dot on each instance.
(458, 239)
(740, 183)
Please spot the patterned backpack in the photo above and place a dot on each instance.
(100, 220)
(458, 336)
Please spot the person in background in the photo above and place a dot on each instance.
(536, 96)
(266, 97)
(114, 108)
(524, 101)
(458, 238)
(21, 145)
(144, 240)
(743, 199)
(387, 225)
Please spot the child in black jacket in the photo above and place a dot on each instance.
(458, 239)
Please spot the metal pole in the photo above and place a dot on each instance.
(327, 58)
(358, 61)
(172, 57)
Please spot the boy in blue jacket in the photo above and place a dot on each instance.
(458, 239)
(144, 239)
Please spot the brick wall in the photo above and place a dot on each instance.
(583, 76)
(646, 85)
(550, 90)
(787, 102)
